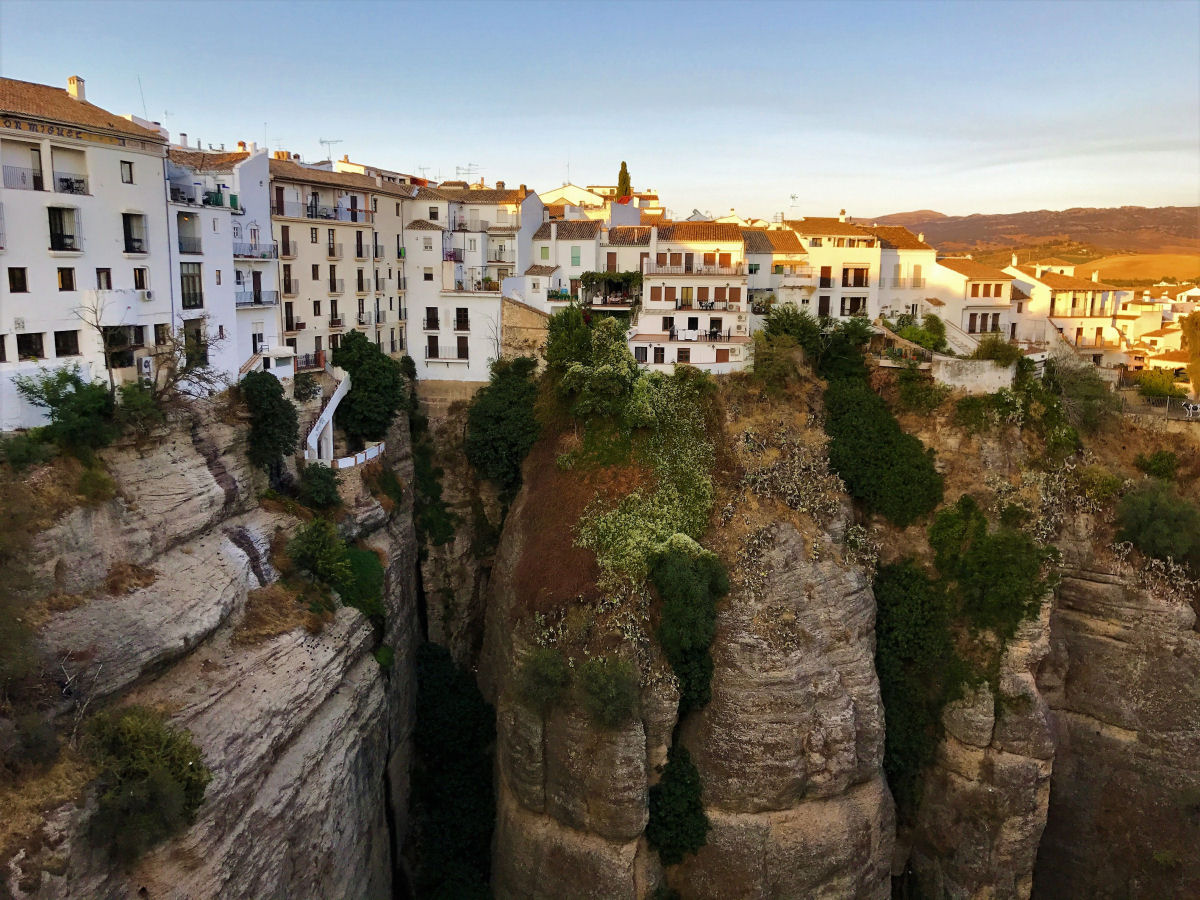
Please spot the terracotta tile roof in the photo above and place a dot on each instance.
(287, 170)
(1161, 332)
(897, 237)
(1057, 282)
(784, 240)
(423, 225)
(653, 216)
(570, 230)
(556, 210)
(486, 196)
(756, 240)
(629, 236)
(681, 232)
(1183, 357)
(976, 271)
(541, 270)
(934, 301)
(819, 226)
(202, 161)
(24, 98)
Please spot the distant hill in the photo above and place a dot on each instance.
(1125, 229)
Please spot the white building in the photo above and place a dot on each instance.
(1081, 311)
(83, 231)
(973, 300)
(777, 266)
(846, 262)
(905, 263)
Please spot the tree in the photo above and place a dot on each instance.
(568, 339)
(624, 186)
(677, 824)
(274, 425)
(1191, 342)
(376, 389)
(82, 413)
(501, 426)
(182, 364)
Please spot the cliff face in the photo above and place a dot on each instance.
(1123, 682)
(306, 736)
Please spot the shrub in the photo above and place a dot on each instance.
(274, 424)
(888, 470)
(453, 801)
(319, 486)
(1158, 384)
(501, 426)
(95, 486)
(1160, 523)
(602, 385)
(21, 451)
(37, 742)
(543, 678)
(377, 389)
(305, 387)
(152, 780)
(435, 524)
(317, 549)
(81, 413)
(1087, 400)
(677, 826)
(689, 580)
(998, 350)
(385, 656)
(1098, 484)
(1159, 464)
(774, 360)
(363, 586)
(920, 393)
(609, 686)
(138, 412)
(930, 333)
(568, 340)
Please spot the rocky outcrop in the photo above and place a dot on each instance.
(984, 803)
(307, 737)
(1123, 682)
(790, 747)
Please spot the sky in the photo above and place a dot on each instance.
(799, 108)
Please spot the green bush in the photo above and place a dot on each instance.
(889, 471)
(1160, 523)
(95, 486)
(998, 350)
(677, 826)
(319, 486)
(435, 524)
(152, 780)
(37, 742)
(690, 581)
(1087, 400)
(81, 413)
(568, 340)
(21, 451)
(609, 686)
(385, 656)
(774, 360)
(317, 549)
(1158, 384)
(377, 389)
(1159, 464)
(363, 587)
(453, 802)
(305, 387)
(543, 678)
(274, 424)
(919, 393)
(930, 333)
(501, 426)
(602, 385)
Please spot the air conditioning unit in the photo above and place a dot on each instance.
(145, 367)
(145, 295)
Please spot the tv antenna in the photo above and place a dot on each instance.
(328, 145)
(469, 169)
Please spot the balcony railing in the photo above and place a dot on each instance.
(364, 320)
(337, 322)
(333, 251)
(287, 249)
(291, 326)
(656, 269)
(455, 255)
(918, 282)
(135, 245)
(256, 298)
(64, 242)
(290, 288)
(337, 285)
(826, 282)
(402, 314)
(470, 225)
(377, 252)
(19, 179)
(192, 300)
(266, 250)
(734, 305)
(363, 252)
(1092, 342)
(295, 209)
(495, 256)
(899, 282)
(707, 334)
(362, 287)
(70, 183)
(851, 283)
(381, 317)
(437, 353)
(430, 324)
(462, 323)
(309, 361)
(189, 244)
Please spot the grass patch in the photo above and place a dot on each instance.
(272, 610)
(127, 577)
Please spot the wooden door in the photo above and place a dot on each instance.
(722, 355)
(688, 261)
(611, 262)
(723, 259)
(823, 306)
(279, 200)
(256, 285)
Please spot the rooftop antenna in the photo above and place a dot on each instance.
(469, 169)
(145, 115)
(328, 145)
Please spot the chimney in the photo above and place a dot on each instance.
(1096, 276)
(345, 157)
(842, 216)
(75, 88)
(499, 185)
(522, 189)
(1014, 260)
(1038, 270)
(183, 139)
(921, 236)
(545, 214)
(653, 240)
(242, 146)
(553, 232)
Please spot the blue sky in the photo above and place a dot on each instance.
(875, 107)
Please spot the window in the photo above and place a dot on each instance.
(66, 279)
(133, 227)
(433, 214)
(66, 343)
(463, 345)
(427, 242)
(191, 282)
(335, 341)
(214, 225)
(427, 275)
(974, 290)
(126, 172)
(104, 279)
(471, 244)
(3, 348)
(987, 290)
(29, 346)
(735, 295)
(374, 204)
(971, 323)
(63, 231)
(397, 207)
(431, 318)
(1019, 305)
(535, 285)
(17, 282)
(141, 278)
(660, 354)
(462, 321)
(854, 277)
(683, 355)
(753, 268)
(218, 273)
(313, 236)
(668, 323)
(544, 251)
(316, 272)
(162, 333)
(686, 295)
(826, 276)
(574, 256)
(814, 242)
(655, 293)
(316, 309)
(318, 346)
(854, 306)
(639, 354)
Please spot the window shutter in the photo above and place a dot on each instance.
(735, 294)
(670, 293)
(656, 293)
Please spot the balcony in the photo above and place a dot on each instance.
(462, 323)
(290, 288)
(267, 250)
(825, 282)
(296, 209)
(192, 299)
(729, 271)
(333, 251)
(455, 255)
(362, 287)
(19, 179)
(709, 335)
(68, 242)
(135, 245)
(364, 320)
(220, 198)
(307, 362)
(245, 299)
(853, 285)
(469, 225)
(402, 314)
(337, 285)
(1082, 311)
(501, 258)
(381, 317)
(1092, 343)
(190, 244)
(291, 326)
(377, 252)
(733, 305)
(337, 321)
(362, 252)
(287, 249)
(70, 183)
(899, 282)
(918, 282)
(430, 324)
(442, 354)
